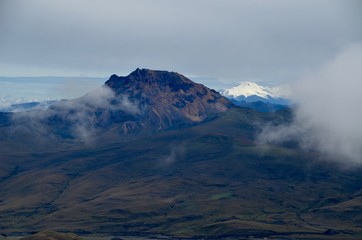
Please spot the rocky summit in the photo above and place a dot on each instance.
(167, 100)
(144, 102)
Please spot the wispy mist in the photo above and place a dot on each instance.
(328, 116)
(81, 118)
(81, 113)
(176, 153)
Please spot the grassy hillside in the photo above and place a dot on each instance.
(209, 180)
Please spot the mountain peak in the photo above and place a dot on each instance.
(141, 72)
(252, 92)
(144, 78)
(145, 71)
(156, 87)
(247, 89)
(150, 100)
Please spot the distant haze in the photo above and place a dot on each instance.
(28, 89)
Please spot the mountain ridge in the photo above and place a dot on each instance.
(169, 95)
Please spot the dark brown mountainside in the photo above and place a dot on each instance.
(144, 101)
(168, 99)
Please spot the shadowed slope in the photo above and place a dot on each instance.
(208, 180)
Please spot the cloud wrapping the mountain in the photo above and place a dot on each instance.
(89, 111)
(7, 101)
(82, 116)
(81, 112)
(328, 117)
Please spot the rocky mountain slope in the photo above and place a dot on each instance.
(167, 99)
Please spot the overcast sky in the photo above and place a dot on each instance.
(216, 42)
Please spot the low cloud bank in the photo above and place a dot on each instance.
(80, 118)
(328, 116)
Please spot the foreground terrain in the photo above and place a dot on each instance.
(191, 169)
(209, 180)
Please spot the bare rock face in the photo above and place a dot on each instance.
(167, 100)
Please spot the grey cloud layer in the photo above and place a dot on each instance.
(229, 39)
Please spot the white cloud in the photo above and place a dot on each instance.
(282, 91)
(329, 113)
(7, 101)
(83, 113)
(83, 118)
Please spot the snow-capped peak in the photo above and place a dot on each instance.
(252, 92)
(247, 89)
